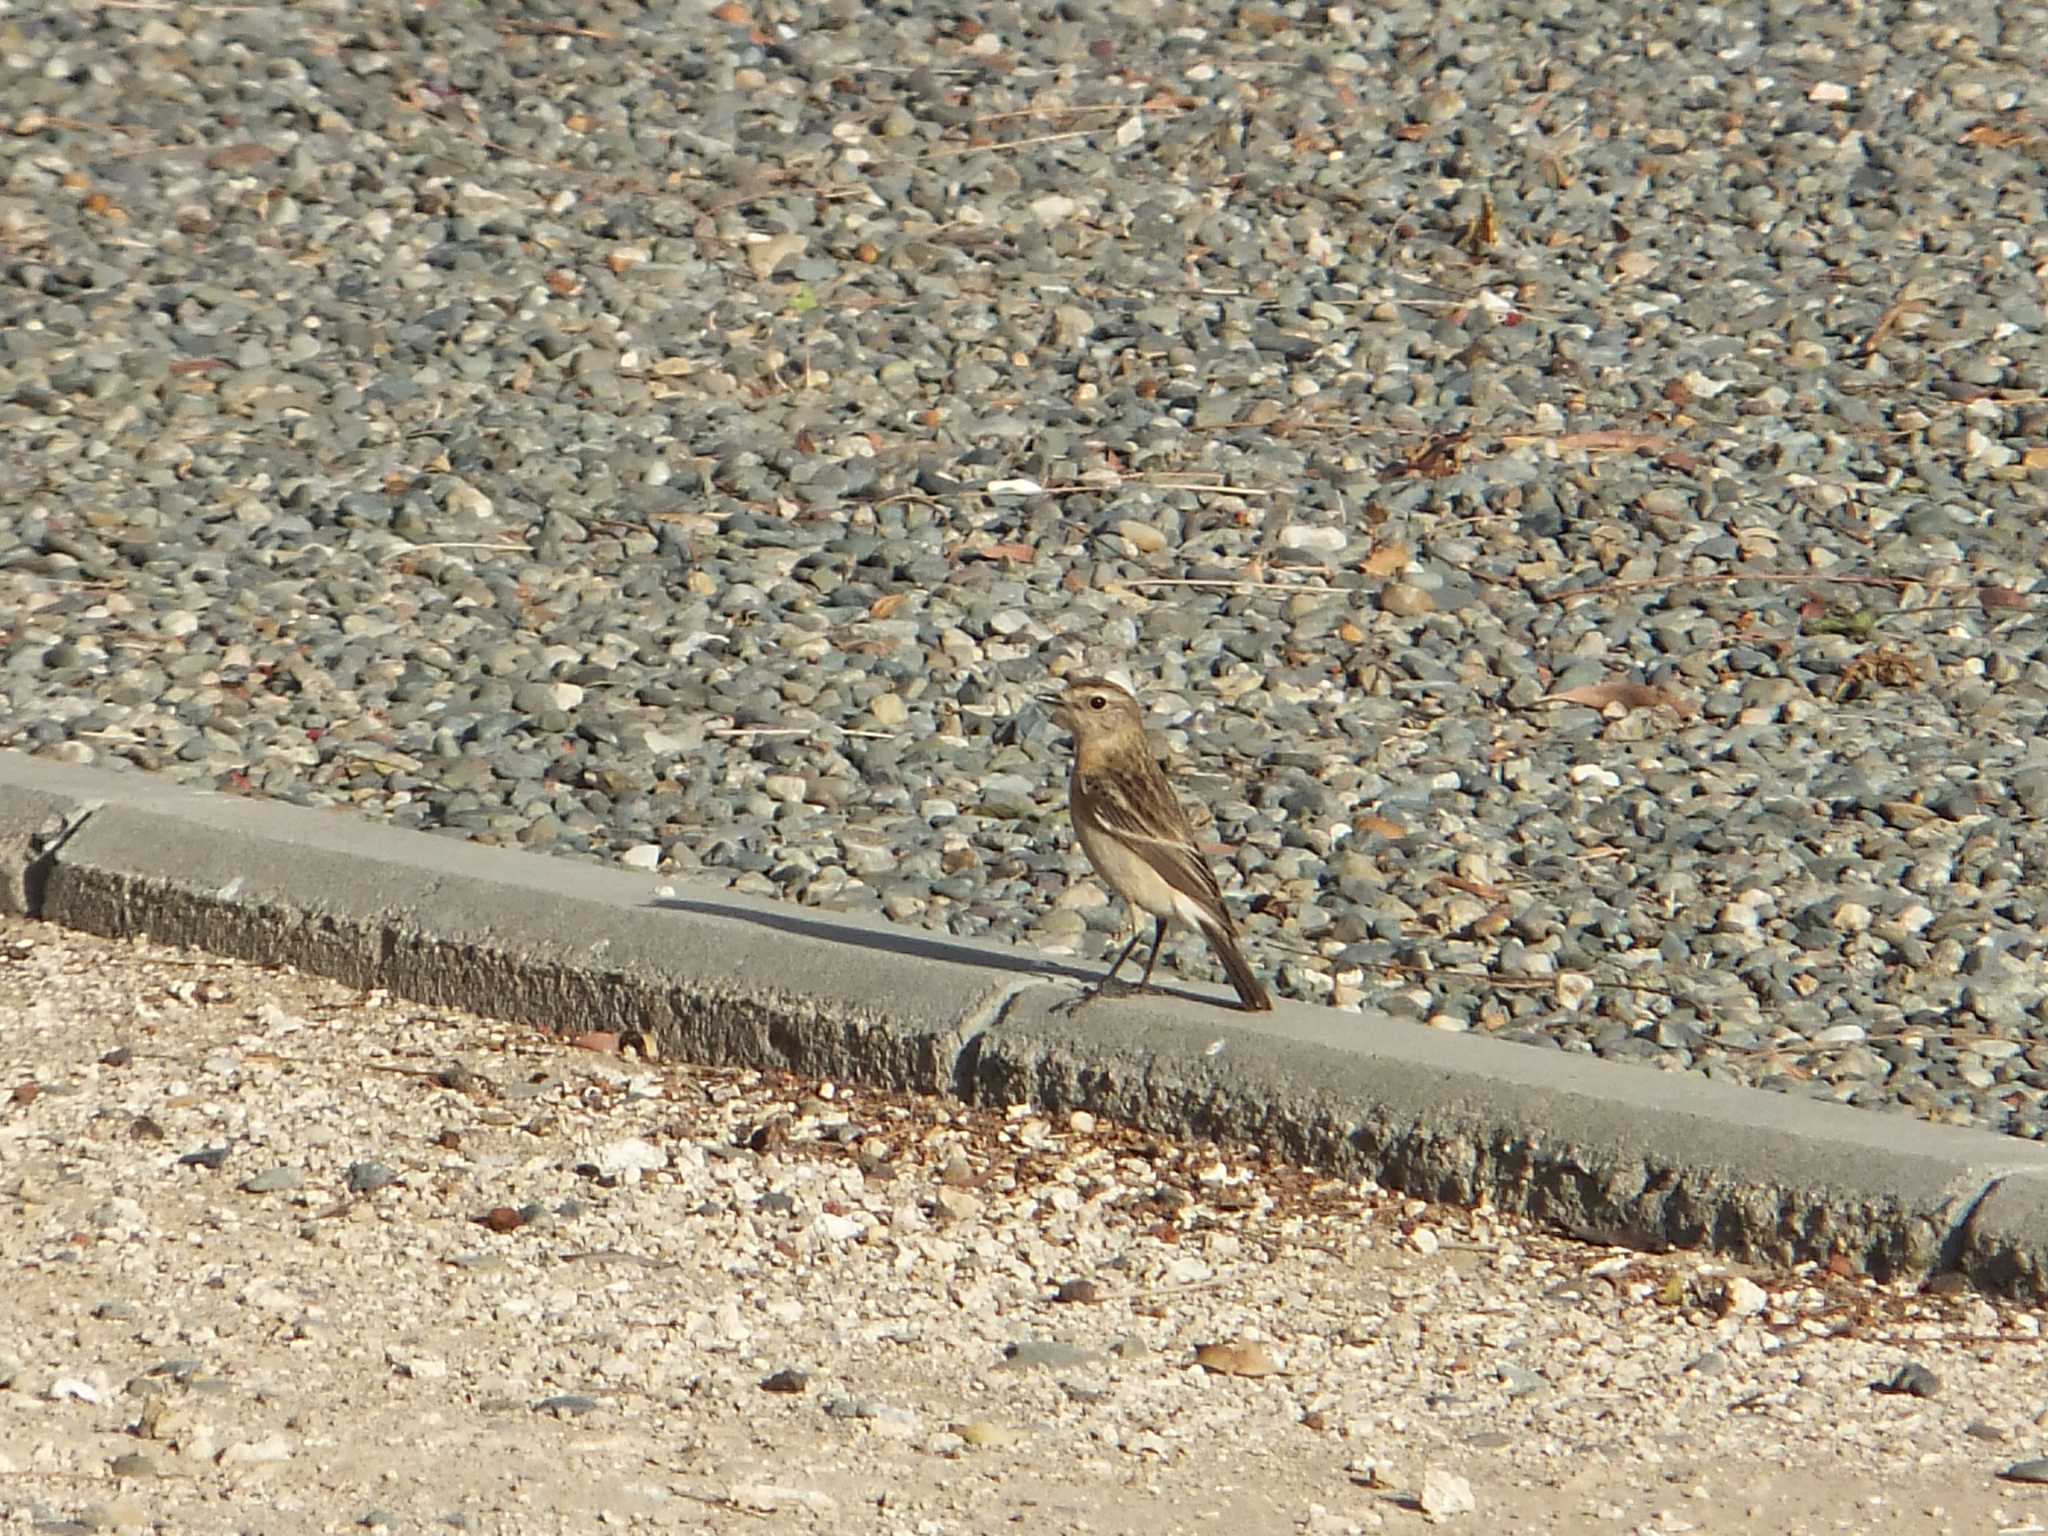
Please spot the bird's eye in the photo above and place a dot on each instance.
(1098, 701)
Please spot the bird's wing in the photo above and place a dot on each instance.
(1142, 812)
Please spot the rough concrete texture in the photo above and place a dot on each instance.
(1616, 1152)
(2005, 1250)
(1613, 1151)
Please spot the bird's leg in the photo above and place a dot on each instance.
(1158, 938)
(1123, 955)
(1109, 983)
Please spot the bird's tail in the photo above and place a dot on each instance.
(1251, 993)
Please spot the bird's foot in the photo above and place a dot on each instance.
(1108, 987)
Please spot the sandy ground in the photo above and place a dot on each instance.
(455, 1275)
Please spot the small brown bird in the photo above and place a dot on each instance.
(1132, 827)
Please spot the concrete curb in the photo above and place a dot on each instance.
(1619, 1152)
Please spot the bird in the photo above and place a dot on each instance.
(1136, 833)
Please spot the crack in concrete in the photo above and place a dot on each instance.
(965, 1037)
(1955, 1242)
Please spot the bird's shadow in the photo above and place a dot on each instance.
(921, 946)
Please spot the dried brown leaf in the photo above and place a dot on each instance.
(1246, 1357)
(1483, 233)
(1387, 559)
(1627, 695)
(240, 157)
(1477, 888)
(1439, 458)
(1991, 136)
(1022, 554)
(1613, 441)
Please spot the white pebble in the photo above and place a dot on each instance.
(628, 1158)
(256, 1453)
(1311, 537)
(1741, 1297)
(1445, 1494)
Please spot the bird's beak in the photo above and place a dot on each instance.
(1061, 715)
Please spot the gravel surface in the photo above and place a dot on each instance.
(1569, 480)
(280, 1256)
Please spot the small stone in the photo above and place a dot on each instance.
(1520, 1381)
(888, 709)
(982, 1434)
(835, 1228)
(1245, 1357)
(1081, 1292)
(1444, 1494)
(133, 1465)
(625, 1160)
(568, 1405)
(74, 1389)
(273, 1181)
(418, 1367)
(1405, 600)
(768, 1498)
(368, 1178)
(1742, 1297)
(1053, 208)
(1911, 1380)
(256, 1453)
(120, 1515)
(955, 1205)
(205, 1157)
(642, 856)
(788, 1381)
(1142, 537)
(1313, 538)
(1048, 1354)
(2034, 1471)
(766, 254)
